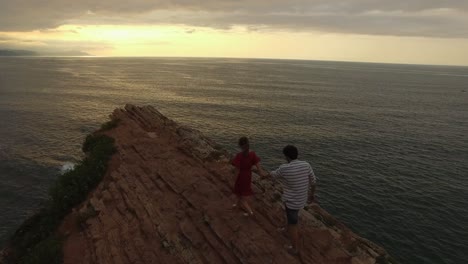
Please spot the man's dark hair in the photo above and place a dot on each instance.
(291, 152)
(243, 141)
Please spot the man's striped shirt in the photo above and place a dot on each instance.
(295, 177)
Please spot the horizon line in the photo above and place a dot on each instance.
(239, 58)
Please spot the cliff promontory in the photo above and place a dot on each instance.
(165, 197)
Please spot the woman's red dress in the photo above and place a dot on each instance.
(244, 178)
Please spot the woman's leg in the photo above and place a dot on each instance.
(245, 204)
(237, 203)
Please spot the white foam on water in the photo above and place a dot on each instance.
(67, 166)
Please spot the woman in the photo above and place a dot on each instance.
(244, 161)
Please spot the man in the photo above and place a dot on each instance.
(298, 181)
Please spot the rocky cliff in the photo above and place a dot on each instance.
(166, 198)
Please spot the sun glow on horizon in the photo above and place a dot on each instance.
(241, 42)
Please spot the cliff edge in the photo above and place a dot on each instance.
(166, 198)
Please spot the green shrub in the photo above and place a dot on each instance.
(35, 242)
(33, 230)
(72, 187)
(48, 251)
(110, 124)
(90, 212)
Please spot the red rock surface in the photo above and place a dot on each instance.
(166, 198)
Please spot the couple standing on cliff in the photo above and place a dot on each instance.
(297, 178)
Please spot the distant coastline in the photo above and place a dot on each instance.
(15, 53)
(28, 53)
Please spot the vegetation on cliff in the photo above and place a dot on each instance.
(37, 241)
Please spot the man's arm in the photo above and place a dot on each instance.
(264, 174)
(274, 174)
(312, 188)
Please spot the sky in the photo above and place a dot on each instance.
(396, 31)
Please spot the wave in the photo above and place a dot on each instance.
(67, 166)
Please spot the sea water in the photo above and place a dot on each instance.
(388, 142)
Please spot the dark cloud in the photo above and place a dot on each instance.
(431, 18)
(10, 41)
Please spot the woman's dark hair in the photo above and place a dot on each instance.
(291, 152)
(243, 141)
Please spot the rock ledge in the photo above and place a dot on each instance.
(166, 198)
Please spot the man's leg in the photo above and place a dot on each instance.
(293, 231)
(294, 235)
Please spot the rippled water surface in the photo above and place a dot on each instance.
(389, 142)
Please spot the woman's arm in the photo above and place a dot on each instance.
(235, 171)
(260, 170)
(235, 162)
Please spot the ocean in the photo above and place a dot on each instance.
(388, 142)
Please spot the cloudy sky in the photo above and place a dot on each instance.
(401, 31)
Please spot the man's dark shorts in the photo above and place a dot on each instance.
(292, 215)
